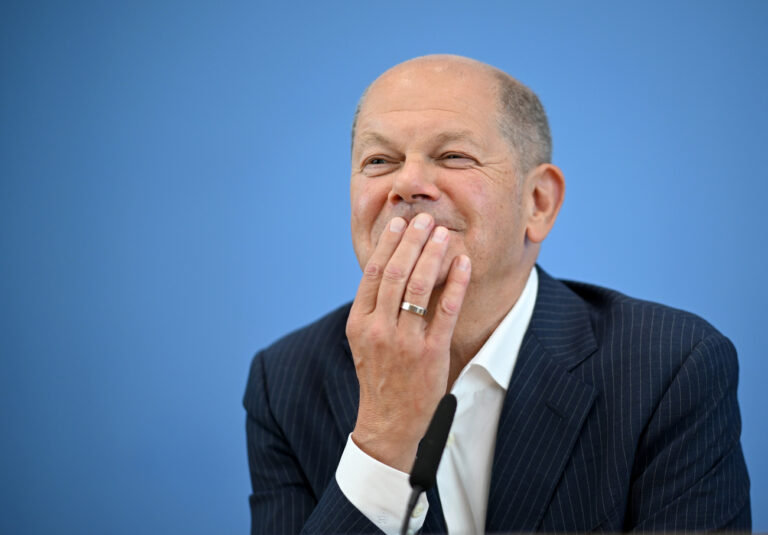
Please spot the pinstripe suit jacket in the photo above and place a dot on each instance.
(620, 415)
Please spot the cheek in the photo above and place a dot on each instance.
(366, 206)
(367, 197)
(365, 209)
(495, 233)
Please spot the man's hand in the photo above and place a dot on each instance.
(403, 359)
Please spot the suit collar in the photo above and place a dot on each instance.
(561, 323)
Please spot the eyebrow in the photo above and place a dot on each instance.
(457, 135)
(373, 138)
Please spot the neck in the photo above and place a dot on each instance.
(481, 313)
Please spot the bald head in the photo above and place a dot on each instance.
(521, 118)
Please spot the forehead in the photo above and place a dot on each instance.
(432, 98)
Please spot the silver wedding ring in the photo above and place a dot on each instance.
(416, 309)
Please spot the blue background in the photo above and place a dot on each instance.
(174, 196)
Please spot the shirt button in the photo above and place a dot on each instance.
(450, 440)
(417, 510)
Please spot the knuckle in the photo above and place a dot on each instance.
(394, 273)
(376, 334)
(418, 287)
(372, 271)
(352, 327)
(449, 307)
(405, 345)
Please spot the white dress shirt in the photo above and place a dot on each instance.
(381, 492)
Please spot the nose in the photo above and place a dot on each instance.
(414, 182)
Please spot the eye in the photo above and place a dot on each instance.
(377, 165)
(457, 160)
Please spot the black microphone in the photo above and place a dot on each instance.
(428, 454)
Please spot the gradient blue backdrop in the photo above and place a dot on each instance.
(174, 197)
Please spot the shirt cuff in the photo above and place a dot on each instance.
(377, 490)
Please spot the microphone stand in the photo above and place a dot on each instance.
(429, 453)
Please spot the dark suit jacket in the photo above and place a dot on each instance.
(620, 415)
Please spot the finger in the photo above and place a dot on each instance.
(422, 280)
(365, 299)
(448, 306)
(400, 266)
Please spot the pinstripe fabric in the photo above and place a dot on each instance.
(621, 414)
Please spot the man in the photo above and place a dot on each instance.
(578, 408)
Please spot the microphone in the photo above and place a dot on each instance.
(428, 454)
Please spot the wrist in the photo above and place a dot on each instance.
(396, 452)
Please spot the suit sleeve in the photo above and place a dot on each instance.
(690, 473)
(283, 500)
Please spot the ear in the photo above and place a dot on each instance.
(545, 188)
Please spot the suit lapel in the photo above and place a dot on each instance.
(543, 412)
(343, 391)
(434, 521)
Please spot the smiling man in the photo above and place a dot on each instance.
(578, 408)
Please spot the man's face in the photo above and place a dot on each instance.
(427, 140)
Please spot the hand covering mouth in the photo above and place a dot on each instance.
(448, 222)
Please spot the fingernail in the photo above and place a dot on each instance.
(440, 235)
(397, 224)
(421, 222)
(463, 263)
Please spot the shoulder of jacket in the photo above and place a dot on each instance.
(305, 344)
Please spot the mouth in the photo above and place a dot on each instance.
(438, 223)
(453, 230)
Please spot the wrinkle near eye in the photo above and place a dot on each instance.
(459, 163)
(376, 166)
